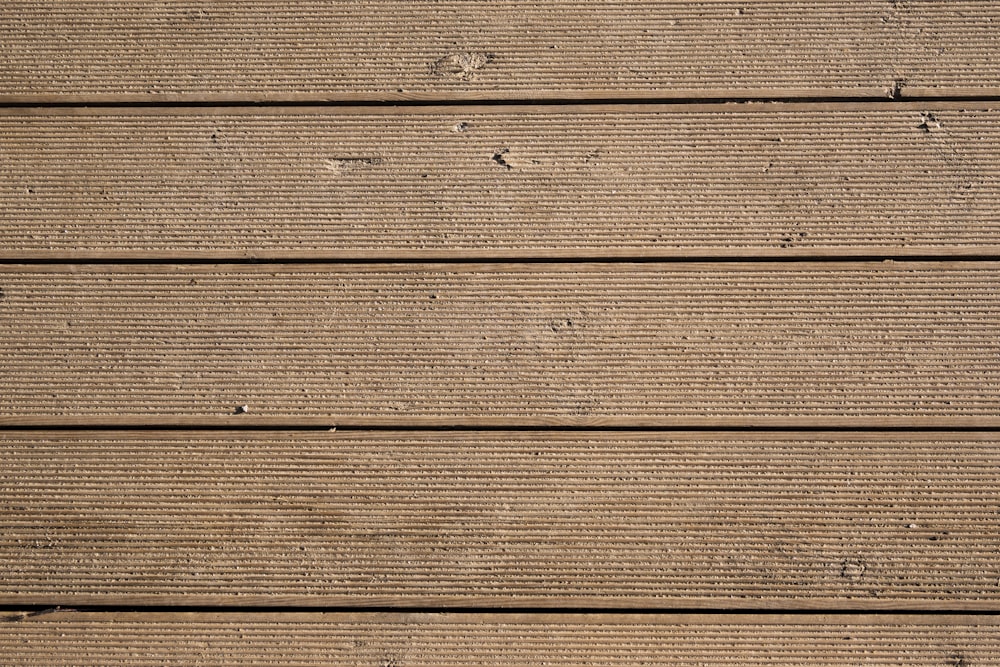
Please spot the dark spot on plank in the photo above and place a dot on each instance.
(460, 127)
(853, 570)
(957, 659)
(241, 409)
(45, 612)
(21, 615)
(498, 158)
(928, 122)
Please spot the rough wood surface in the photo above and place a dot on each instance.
(403, 49)
(539, 130)
(81, 639)
(751, 180)
(640, 520)
(857, 344)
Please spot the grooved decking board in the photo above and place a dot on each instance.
(858, 344)
(227, 639)
(669, 520)
(327, 50)
(722, 180)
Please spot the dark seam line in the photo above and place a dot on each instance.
(553, 101)
(470, 428)
(597, 259)
(36, 610)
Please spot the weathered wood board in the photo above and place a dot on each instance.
(849, 344)
(547, 519)
(326, 50)
(771, 180)
(75, 639)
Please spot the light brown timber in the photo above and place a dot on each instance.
(855, 344)
(753, 180)
(828, 521)
(325, 50)
(85, 639)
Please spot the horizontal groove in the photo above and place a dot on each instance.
(416, 429)
(589, 259)
(500, 102)
(513, 106)
(29, 611)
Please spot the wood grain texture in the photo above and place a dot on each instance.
(752, 180)
(857, 344)
(635, 520)
(97, 50)
(80, 639)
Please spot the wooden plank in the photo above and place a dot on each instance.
(80, 639)
(856, 344)
(99, 50)
(752, 180)
(636, 520)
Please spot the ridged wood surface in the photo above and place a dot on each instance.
(80, 639)
(858, 344)
(197, 532)
(750, 180)
(402, 49)
(579, 520)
